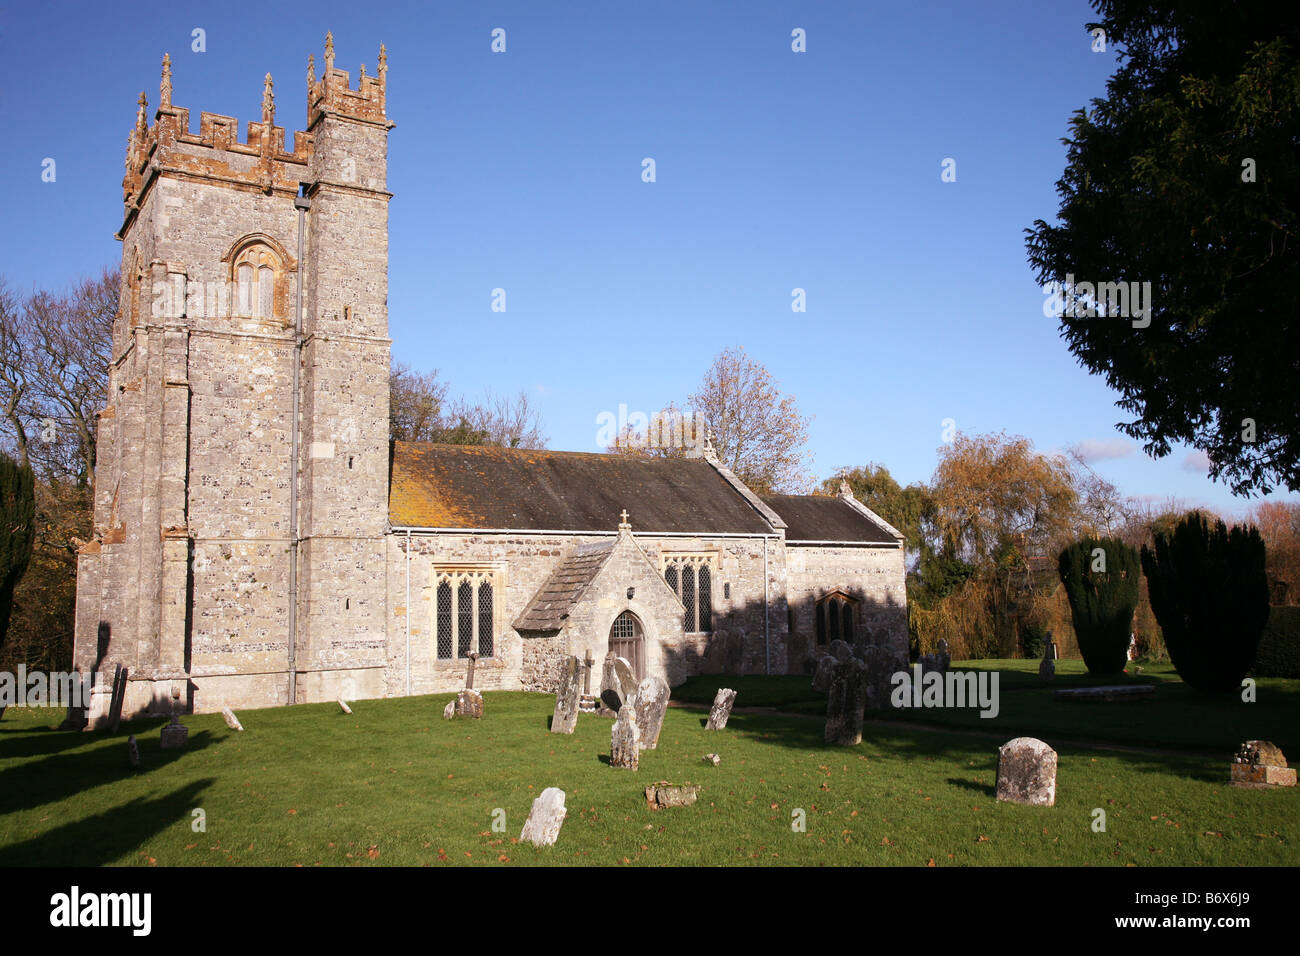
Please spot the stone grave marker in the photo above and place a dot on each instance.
(625, 741)
(231, 720)
(845, 705)
(343, 706)
(133, 752)
(720, 712)
(469, 670)
(1027, 772)
(469, 703)
(1047, 666)
(175, 735)
(650, 704)
(542, 828)
(565, 716)
(449, 711)
(840, 650)
(713, 759)
(664, 794)
(1259, 764)
(822, 675)
(119, 695)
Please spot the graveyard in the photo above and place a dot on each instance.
(394, 782)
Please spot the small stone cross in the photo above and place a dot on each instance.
(469, 671)
(586, 677)
(623, 524)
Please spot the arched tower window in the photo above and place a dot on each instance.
(259, 277)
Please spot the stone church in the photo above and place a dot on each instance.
(258, 539)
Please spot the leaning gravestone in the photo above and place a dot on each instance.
(625, 741)
(119, 694)
(449, 711)
(132, 751)
(822, 675)
(617, 683)
(845, 704)
(1027, 772)
(469, 703)
(565, 716)
(231, 720)
(720, 712)
(343, 706)
(542, 828)
(649, 704)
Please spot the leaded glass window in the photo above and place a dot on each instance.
(464, 618)
(691, 578)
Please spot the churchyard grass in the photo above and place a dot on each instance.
(1178, 718)
(395, 784)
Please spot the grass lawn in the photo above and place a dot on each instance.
(1179, 718)
(396, 784)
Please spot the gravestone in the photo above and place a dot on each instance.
(1027, 772)
(720, 712)
(588, 664)
(845, 704)
(175, 735)
(880, 663)
(469, 703)
(713, 759)
(343, 706)
(650, 703)
(617, 683)
(625, 741)
(841, 650)
(132, 752)
(469, 671)
(1047, 666)
(1259, 764)
(449, 711)
(822, 675)
(231, 720)
(542, 828)
(565, 716)
(119, 695)
(76, 717)
(664, 794)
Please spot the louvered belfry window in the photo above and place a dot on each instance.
(464, 617)
(691, 577)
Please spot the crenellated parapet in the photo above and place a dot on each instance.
(259, 162)
(332, 94)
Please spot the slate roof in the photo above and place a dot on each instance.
(553, 600)
(826, 518)
(462, 486)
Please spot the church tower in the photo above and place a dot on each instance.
(241, 482)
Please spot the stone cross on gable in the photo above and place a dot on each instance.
(623, 524)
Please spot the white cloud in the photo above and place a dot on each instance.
(1101, 449)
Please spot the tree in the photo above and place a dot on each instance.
(1279, 526)
(757, 432)
(1101, 578)
(419, 410)
(1210, 594)
(1186, 176)
(907, 509)
(17, 530)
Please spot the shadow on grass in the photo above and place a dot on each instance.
(34, 783)
(105, 837)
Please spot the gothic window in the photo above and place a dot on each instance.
(834, 616)
(259, 276)
(691, 578)
(464, 613)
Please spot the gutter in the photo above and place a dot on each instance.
(604, 533)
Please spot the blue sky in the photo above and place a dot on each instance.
(775, 170)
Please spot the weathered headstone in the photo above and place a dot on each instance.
(175, 735)
(650, 704)
(565, 716)
(542, 828)
(841, 650)
(76, 717)
(617, 683)
(845, 704)
(664, 794)
(625, 741)
(713, 759)
(1047, 666)
(119, 695)
(1027, 772)
(449, 711)
(720, 712)
(469, 703)
(231, 720)
(822, 675)
(588, 663)
(132, 751)
(1259, 764)
(343, 706)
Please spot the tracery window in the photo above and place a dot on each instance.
(691, 577)
(834, 618)
(464, 618)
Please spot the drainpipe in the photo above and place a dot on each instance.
(408, 612)
(767, 630)
(302, 204)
